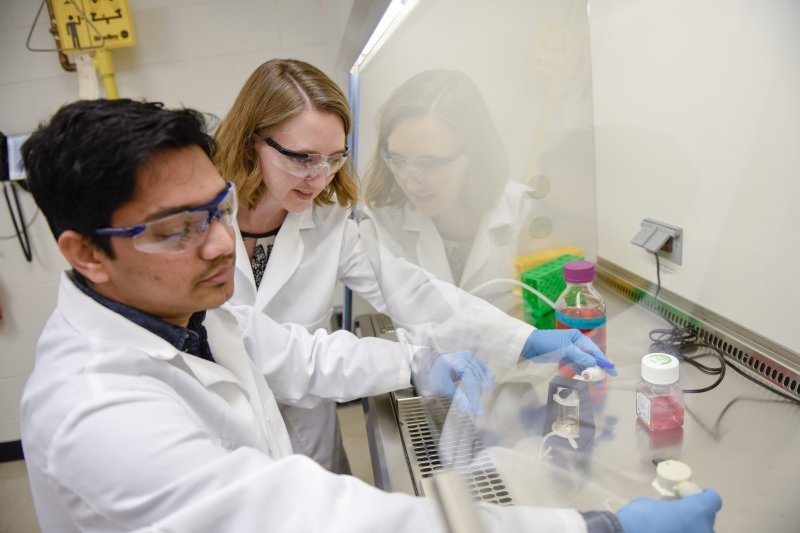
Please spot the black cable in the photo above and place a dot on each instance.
(20, 229)
(757, 382)
(681, 342)
(33, 26)
(658, 276)
(658, 290)
(28, 224)
(714, 431)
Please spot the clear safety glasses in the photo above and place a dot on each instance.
(182, 231)
(425, 169)
(307, 166)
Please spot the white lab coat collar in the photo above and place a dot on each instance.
(304, 219)
(499, 222)
(413, 220)
(286, 255)
(430, 250)
(95, 320)
(225, 341)
(497, 218)
(233, 365)
(243, 268)
(495, 229)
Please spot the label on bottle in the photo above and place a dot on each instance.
(660, 359)
(581, 322)
(643, 408)
(590, 322)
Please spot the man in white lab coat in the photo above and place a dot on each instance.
(148, 408)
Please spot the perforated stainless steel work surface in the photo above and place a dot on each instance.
(433, 443)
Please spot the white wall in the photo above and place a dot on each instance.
(697, 122)
(194, 53)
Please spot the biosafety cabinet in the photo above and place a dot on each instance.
(495, 139)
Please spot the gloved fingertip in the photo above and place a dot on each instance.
(489, 381)
(604, 363)
(712, 499)
(583, 362)
(446, 389)
(461, 402)
(611, 371)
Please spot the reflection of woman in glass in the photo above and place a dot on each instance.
(438, 186)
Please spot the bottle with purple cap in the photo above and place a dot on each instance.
(580, 306)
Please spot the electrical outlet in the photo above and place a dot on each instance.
(659, 237)
(12, 157)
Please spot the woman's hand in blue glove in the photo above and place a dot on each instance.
(691, 514)
(568, 347)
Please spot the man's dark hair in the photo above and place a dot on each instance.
(82, 165)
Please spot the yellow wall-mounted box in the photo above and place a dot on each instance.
(87, 24)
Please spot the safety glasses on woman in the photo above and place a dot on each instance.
(305, 165)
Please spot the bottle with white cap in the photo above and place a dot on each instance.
(659, 398)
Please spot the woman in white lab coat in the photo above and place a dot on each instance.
(284, 144)
(292, 229)
(438, 189)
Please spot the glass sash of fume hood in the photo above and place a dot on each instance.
(476, 154)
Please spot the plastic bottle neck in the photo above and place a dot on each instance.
(580, 295)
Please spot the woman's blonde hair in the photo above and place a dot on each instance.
(454, 99)
(275, 92)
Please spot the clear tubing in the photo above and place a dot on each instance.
(525, 286)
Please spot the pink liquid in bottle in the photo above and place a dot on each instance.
(590, 321)
(659, 399)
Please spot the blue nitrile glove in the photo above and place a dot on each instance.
(459, 376)
(568, 347)
(691, 514)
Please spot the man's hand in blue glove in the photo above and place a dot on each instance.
(568, 347)
(459, 376)
(691, 514)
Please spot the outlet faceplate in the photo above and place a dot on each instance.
(659, 237)
(13, 157)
